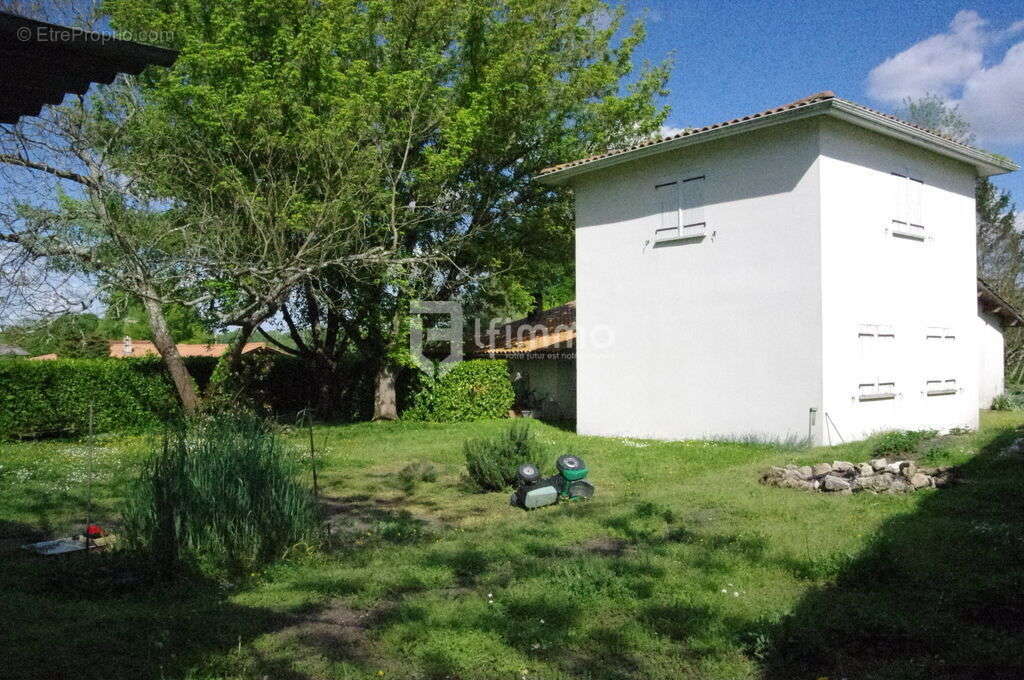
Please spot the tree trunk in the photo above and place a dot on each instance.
(236, 347)
(165, 344)
(385, 402)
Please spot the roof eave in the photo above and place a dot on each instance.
(986, 164)
(560, 177)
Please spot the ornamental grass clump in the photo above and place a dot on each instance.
(492, 463)
(222, 495)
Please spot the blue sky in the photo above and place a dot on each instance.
(734, 58)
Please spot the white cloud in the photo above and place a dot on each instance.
(993, 99)
(938, 64)
(670, 131)
(953, 65)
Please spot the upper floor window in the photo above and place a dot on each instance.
(680, 210)
(907, 208)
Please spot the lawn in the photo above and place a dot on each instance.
(683, 566)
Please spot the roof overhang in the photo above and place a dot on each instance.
(43, 62)
(985, 164)
(991, 302)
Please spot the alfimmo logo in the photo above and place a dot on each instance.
(448, 331)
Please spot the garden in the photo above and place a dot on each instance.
(682, 565)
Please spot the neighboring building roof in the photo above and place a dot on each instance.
(12, 351)
(44, 357)
(43, 62)
(550, 332)
(144, 348)
(991, 302)
(821, 103)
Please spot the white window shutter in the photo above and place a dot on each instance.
(915, 203)
(693, 204)
(900, 201)
(668, 207)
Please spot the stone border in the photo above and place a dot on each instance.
(875, 476)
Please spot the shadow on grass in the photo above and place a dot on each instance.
(938, 594)
(74, 618)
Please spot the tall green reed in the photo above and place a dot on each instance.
(221, 494)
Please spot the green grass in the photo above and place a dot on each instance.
(682, 566)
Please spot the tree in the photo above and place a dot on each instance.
(437, 116)
(1000, 244)
(933, 112)
(73, 336)
(70, 212)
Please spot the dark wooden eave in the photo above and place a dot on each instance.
(991, 302)
(42, 62)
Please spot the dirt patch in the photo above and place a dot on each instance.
(605, 546)
(338, 631)
(358, 514)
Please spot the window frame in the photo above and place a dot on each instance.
(685, 227)
(909, 222)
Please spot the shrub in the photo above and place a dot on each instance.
(473, 390)
(492, 463)
(54, 397)
(900, 441)
(222, 495)
(1008, 401)
(414, 473)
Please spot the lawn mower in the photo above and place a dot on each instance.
(569, 484)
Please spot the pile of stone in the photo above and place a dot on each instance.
(876, 476)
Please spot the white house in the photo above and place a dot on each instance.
(804, 271)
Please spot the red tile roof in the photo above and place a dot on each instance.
(145, 348)
(550, 332)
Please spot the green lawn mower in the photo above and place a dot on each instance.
(569, 484)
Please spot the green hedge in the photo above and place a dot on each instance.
(41, 398)
(473, 390)
(53, 397)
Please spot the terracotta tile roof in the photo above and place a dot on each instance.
(804, 102)
(145, 348)
(552, 331)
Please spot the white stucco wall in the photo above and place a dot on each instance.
(905, 286)
(991, 378)
(551, 380)
(744, 331)
(702, 338)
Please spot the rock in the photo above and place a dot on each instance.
(897, 486)
(834, 483)
(821, 469)
(778, 472)
(879, 482)
(805, 472)
(865, 470)
(894, 468)
(842, 466)
(878, 463)
(920, 481)
(908, 470)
